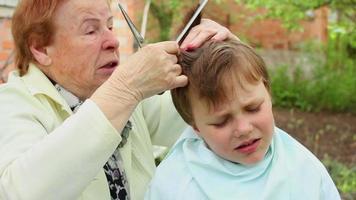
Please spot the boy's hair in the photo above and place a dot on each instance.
(211, 69)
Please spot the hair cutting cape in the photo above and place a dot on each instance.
(288, 171)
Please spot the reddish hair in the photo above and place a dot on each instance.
(212, 69)
(32, 22)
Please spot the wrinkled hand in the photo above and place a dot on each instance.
(206, 30)
(153, 69)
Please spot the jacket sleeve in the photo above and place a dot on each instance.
(38, 163)
(163, 121)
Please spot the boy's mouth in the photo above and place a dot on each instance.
(248, 146)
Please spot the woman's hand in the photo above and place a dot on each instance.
(206, 30)
(153, 69)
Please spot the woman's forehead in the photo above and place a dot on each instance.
(77, 9)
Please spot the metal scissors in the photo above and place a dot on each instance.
(192, 22)
(139, 39)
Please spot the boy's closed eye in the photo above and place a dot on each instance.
(253, 108)
(220, 122)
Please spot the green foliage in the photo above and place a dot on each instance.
(344, 177)
(165, 12)
(341, 45)
(289, 91)
(327, 88)
(291, 11)
(332, 84)
(335, 88)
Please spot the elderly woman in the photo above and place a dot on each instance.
(76, 123)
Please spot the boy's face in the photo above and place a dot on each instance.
(239, 130)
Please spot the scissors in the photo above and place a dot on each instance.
(192, 22)
(139, 39)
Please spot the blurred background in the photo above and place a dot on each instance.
(308, 45)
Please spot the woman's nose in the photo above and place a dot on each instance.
(241, 127)
(111, 42)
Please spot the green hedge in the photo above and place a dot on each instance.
(327, 88)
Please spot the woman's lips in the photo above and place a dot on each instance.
(248, 147)
(108, 69)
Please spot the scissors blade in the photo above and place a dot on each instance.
(192, 22)
(139, 39)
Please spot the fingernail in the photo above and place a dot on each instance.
(190, 48)
(183, 49)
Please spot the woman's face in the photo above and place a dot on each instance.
(239, 130)
(84, 52)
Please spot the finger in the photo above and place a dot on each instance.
(180, 81)
(201, 38)
(177, 69)
(170, 47)
(191, 35)
(172, 58)
(221, 35)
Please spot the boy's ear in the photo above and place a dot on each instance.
(40, 54)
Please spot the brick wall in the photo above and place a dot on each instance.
(268, 34)
(122, 30)
(6, 46)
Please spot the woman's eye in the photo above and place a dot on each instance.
(90, 32)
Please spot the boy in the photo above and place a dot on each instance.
(233, 150)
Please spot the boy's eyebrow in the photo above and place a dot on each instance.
(253, 100)
(219, 113)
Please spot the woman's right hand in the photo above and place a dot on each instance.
(152, 70)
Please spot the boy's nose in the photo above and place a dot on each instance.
(242, 127)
